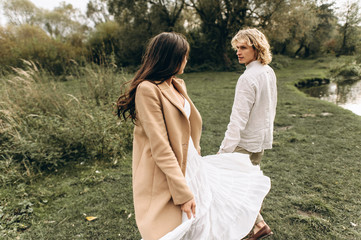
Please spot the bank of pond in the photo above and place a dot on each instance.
(344, 92)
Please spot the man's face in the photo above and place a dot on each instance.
(245, 53)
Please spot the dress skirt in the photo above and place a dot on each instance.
(229, 191)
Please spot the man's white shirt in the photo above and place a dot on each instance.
(253, 111)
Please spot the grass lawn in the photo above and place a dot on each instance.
(314, 167)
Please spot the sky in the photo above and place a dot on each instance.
(51, 4)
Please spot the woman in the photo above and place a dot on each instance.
(169, 175)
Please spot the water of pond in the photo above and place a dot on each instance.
(347, 96)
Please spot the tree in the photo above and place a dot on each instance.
(317, 22)
(324, 32)
(220, 20)
(62, 22)
(97, 11)
(351, 16)
(141, 19)
(156, 15)
(291, 25)
(32, 43)
(299, 27)
(166, 13)
(52, 39)
(294, 27)
(19, 12)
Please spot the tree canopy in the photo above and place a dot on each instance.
(116, 31)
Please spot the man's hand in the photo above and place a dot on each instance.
(189, 208)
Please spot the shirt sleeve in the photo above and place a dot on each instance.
(150, 115)
(244, 99)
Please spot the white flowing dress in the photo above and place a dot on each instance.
(228, 191)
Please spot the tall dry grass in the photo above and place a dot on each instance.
(45, 124)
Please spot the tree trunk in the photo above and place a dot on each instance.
(299, 49)
(307, 51)
(344, 40)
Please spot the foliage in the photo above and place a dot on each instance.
(19, 12)
(32, 43)
(220, 20)
(280, 61)
(350, 31)
(62, 22)
(120, 30)
(350, 70)
(97, 11)
(140, 20)
(54, 39)
(302, 28)
(347, 72)
(156, 16)
(43, 127)
(104, 43)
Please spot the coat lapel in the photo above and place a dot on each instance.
(168, 93)
(195, 120)
(181, 89)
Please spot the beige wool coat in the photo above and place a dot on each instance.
(160, 145)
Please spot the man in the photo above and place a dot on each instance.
(250, 129)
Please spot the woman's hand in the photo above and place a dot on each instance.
(189, 208)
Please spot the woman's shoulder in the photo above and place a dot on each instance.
(147, 86)
(179, 80)
(147, 89)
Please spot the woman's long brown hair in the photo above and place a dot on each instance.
(162, 60)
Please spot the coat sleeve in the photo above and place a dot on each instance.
(242, 106)
(150, 115)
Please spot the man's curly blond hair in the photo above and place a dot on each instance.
(257, 40)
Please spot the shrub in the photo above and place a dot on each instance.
(42, 127)
(33, 44)
(350, 71)
(280, 61)
(347, 72)
(104, 43)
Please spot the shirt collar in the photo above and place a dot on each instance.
(253, 64)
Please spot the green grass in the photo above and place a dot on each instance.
(315, 162)
(314, 166)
